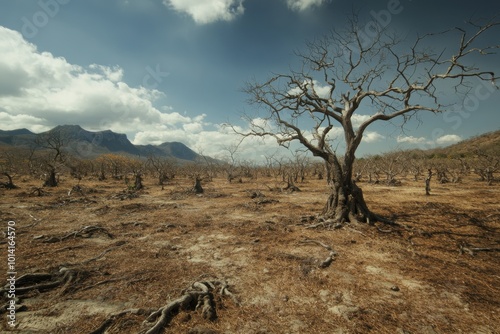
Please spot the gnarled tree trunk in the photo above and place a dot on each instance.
(345, 202)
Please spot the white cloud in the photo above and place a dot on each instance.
(371, 136)
(208, 11)
(357, 119)
(443, 140)
(448, 139)
(301, 5)
(47, 91)
(114, 74)
(411, 140)
(192, 128)
(13, 122)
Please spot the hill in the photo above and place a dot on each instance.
(88, 144)
(488, 143)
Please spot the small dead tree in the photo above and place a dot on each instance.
(486, 165)
(138, 181)
(428, 182)
(8, 166)
(162, 167)
(9, 184)
(55, 141)
(51, 179)
(197, 188)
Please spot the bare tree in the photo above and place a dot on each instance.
(8, 164)
(342, 74)
(54, 140)
(162, 167)
(428, 182)
(231, 159)
(393, 164)
(486, 166)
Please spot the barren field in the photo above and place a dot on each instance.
(100, 261)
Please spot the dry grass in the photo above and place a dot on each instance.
(411, 279)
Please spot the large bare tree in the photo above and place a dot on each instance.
(385, 77)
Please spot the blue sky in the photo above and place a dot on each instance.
(173, 70)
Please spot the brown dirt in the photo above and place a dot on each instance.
(411, 279)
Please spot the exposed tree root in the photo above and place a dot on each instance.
(331, 256)
(45, 281)
(326, 224)
(200, 296)
(84, 232)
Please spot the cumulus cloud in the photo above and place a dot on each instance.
(357, 119)
(48, 90)
(301, 5)
(448, 139)
(372, 136)
(443, 140)
(208, 11)
(411, 139)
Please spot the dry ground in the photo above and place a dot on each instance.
(412, 279)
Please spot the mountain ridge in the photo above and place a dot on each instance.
(90, 144)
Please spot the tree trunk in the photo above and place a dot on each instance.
(138, 182)
(345, 202)
(51, 180)
(428, 182)
(198, 189)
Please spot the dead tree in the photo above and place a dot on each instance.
(164, 168)
(55, 141)
(51, 179)
(138, 181)
(9, 184)
(9, 164)
(197, 188)
(486, 166)
(342, 74)
(428, 182)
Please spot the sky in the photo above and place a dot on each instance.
(174, 70)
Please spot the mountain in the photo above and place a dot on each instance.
(174, 149)
(20, 137)
(88, 144)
